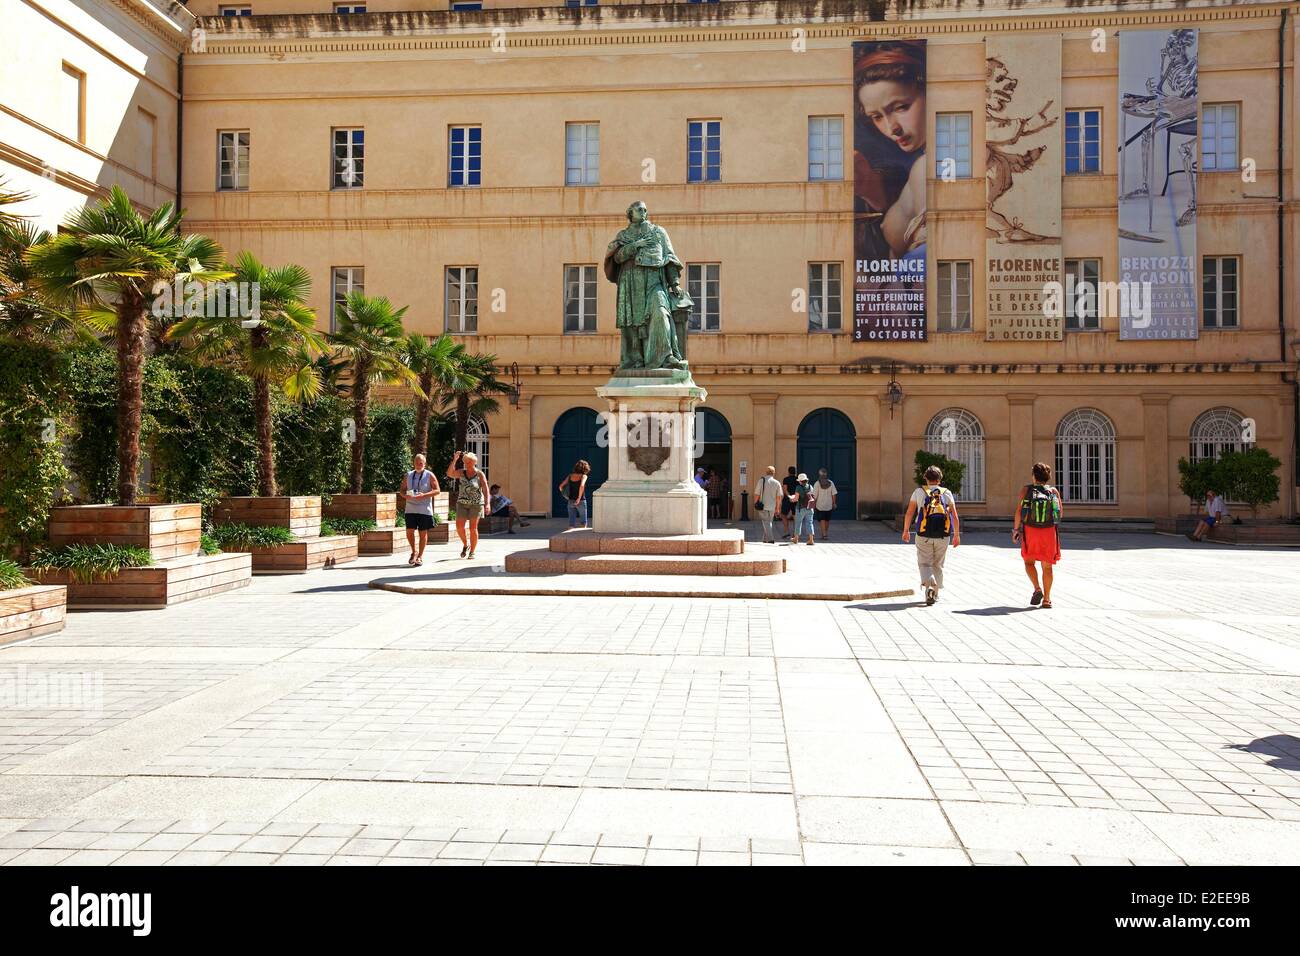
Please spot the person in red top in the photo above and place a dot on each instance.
(1038, 542)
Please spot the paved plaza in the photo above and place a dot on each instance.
(1151, 717)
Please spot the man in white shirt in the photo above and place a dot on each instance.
(824, 496)
(934, 526)
(766, 498)
(1215, 511)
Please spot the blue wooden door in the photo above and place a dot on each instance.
(827, 440)
(574, 438)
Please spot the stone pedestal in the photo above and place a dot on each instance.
(651, 426)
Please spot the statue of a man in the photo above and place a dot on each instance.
(652, 307)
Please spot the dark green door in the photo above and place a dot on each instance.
(827, 440)
(574, 438)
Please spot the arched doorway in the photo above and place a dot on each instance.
(827, 440)
(713, 441)
(574, 437)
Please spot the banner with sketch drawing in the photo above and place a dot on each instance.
(889, 171)
(1022, 162)
(1158, 112)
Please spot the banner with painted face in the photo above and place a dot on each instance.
(889, 172)
(1022, 162)
(1158, 112)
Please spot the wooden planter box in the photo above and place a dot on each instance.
(440, 533)
(31, 612)
(381, 509)
(297, 557)
(382, 541)
(168, 531)
(169, 582)
(300, 513)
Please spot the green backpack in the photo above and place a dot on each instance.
(1040, 508)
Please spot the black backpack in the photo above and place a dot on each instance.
(934, 520)
(1040, 508)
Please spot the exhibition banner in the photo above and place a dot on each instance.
(889, 178)
(1022, 148)
(1158, 113)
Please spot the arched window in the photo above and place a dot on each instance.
(957, 434)
(1218, 430)
(476, 440)
(1085, 457)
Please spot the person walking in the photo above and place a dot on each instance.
(788, 483)
(934, 511)
(574, 488)
(803, 515)
(419, 489)
(766, 499)
(1036, 529)
(473, 497)
(824, 498)
(1215, 511)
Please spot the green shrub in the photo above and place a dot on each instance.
(333, 526)
(952, 470)
(1249, 477)
(11, 576)
(32, 471)
(242, 537)
(1196, 477)
(311, 457)
(91, 562)
(208, 544)
(388, 447)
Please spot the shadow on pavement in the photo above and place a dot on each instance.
(1283, 748)
(994, 611)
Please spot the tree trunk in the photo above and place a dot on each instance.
(462, 420)
(360, 412)
(420, 444)
(131, 326)
(265, 443)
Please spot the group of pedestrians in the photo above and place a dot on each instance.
(932, 518)
(471, 495)
(795, 500)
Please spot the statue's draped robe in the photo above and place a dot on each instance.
(645, 305)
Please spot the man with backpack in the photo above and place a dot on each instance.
(932, 514)
(802, 499)
(1035, 529)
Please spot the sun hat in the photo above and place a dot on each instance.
(802, 476)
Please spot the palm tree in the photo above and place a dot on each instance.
(10, 197)
(281, 349)
(370, 335)
(26, 313)
(436, 363)
(472, 392)
(103, 267)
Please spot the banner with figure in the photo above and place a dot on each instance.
(1022, 150)
(1158, 111)
(889, 172)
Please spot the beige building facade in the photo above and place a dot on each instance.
(474, 164)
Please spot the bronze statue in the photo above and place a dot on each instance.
(652, 308)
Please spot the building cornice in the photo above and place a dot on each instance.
(678, 23)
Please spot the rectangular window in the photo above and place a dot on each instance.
(147, 143)
(581, 154)
(349, 158)
(1219, 136)
(702, 287)
(703, 151)
(235, 10)
(1219, 291)
(467, 5)
(824, 297)
(72, 115)
(1081, 278)
(580, 3)
(232, 159)
(465, 156)
(344, 280)
(462, 298)
(1082, 141)
(952, 146)
(349, 8)
(580, 298)
(954, 295)
(825, 148)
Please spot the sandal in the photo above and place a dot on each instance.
(1047, 606)
(471, 555)
(1036, 598)
(464, 551)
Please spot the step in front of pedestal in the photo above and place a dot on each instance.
(719, 542)
(569, 562)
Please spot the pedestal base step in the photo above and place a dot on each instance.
(573, 562)
(606, 542)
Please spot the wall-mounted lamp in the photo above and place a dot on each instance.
(516, 388)
(894, 391)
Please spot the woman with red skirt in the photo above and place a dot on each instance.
(1038, 545)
